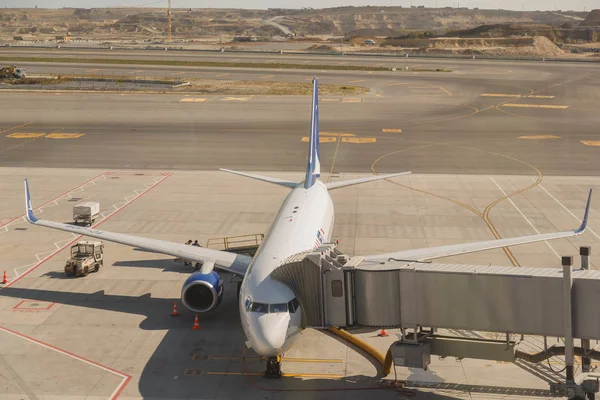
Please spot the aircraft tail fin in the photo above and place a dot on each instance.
(313, 168)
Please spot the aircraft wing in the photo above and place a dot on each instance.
(456, 249)
(223, 260)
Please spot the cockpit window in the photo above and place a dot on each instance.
(260, 308)
(264, 308)
(278, 308)
(293, 305)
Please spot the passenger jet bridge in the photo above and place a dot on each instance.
(421, 297)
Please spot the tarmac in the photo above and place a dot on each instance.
(111, 335)
(471, 137)
(483, 117)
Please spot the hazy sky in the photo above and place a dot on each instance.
(505, 4)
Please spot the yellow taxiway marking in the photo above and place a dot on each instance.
(329, 99)
(500, 95)
(189, 372)
(444, 90)
(535, 106)
(425, 89)
(356, 81)
(93, 70)
(351, 100)
(178, 73)
(329, 376)
(398, 83)
(321, 139)
(235, 99)
(192, 100)
(25, 135)
(531, 96)
(391, 130)
(359, 140)
(337, 134)
(64, 135)
(223, 74)
(343, 62)
(540, 137)
(595, 143)
(267, 76)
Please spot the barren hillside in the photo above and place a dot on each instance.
(136, 23)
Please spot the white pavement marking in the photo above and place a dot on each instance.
(567, 210)
(40, 209)
(63, 243)
(119, 387)
(523, 215)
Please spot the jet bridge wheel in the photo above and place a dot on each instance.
(273, 367)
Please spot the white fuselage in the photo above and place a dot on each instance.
(270, 314)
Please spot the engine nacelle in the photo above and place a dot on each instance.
(202, 292)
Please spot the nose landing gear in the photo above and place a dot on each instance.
(273, 367)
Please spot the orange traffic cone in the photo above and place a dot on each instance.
(5, 278)
(383, 333)
(196, 323)
(175, 313)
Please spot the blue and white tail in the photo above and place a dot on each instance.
(313, 169)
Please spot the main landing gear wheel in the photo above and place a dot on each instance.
(273, 367)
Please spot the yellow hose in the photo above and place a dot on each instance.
(386, 362)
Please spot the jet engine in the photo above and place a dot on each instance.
(202, 292)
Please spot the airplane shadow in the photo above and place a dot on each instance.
(167, 265)
(220, 334)
(59, 275)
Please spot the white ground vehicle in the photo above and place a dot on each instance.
(86, 257)
(86, 212)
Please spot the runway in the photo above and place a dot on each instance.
(492, 119)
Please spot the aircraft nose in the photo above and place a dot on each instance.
(270, 333)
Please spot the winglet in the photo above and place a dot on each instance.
(583, 225)
(28, 210)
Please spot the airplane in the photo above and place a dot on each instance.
(269, 311)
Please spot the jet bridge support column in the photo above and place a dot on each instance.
(567, 263)
(586, 363)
